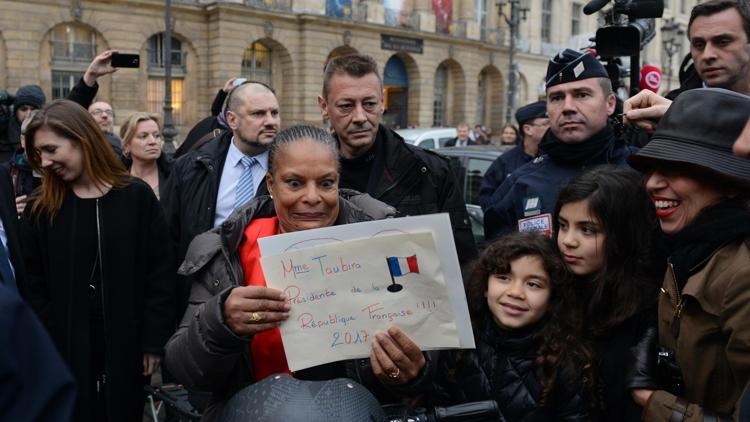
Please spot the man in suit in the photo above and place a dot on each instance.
(462, 139)
(203, 188)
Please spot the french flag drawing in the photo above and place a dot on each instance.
(401, 266)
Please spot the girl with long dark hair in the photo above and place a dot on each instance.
(605, 228)
(100, 265)
(529, 356)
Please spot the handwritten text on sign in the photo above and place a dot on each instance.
(343, 293)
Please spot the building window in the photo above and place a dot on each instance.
(441, 87)
(575, 21)
(683, 6)
(481, 98)
(546, 20)
(256, 63)
(63, 82)
(72, 48)
(481, 8)
(156, 53)
(155, 98)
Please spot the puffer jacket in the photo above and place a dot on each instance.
(501, 368)
(204, 353)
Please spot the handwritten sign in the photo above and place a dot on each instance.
(342, 293)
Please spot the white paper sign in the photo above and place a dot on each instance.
(438, 224)
(343, 293)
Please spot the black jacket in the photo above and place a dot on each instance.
(500, 169)
(137, 279)
(10, 224)
(416, 182)
(501, 368)
(454, 141)
(189, 199)
(36, 385)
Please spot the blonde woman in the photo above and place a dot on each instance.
(141, 145)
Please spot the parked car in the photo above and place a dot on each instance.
(470, 163)
(429, 138)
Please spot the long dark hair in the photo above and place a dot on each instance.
(628, 280)
(72, 122)
(561, 349)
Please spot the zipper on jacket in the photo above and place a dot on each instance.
(101, 284)
(675, 328)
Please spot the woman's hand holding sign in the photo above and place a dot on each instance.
(249, 310)
(395, 358)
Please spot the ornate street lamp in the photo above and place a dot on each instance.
(672, 35)
(169, 131)
(518, 10)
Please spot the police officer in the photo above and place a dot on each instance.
(533, 121)
(579, 102)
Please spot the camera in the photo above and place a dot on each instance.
(621, 37)
(6, 99)
(669, 374)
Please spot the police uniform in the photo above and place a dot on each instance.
(507, 163)
(526, 199)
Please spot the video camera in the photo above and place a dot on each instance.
(6, 100)
(625, 38)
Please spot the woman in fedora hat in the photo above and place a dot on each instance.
(700, 191)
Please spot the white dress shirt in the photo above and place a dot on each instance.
(229, 178)
(4, 245)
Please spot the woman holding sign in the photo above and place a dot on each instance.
(229, 336)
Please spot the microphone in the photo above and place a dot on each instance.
(594, 6)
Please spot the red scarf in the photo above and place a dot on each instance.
(266, 349)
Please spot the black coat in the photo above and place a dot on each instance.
(36, 385)
(501, 168)
(417, 182)
(189, 200)
(501, 368)
(137, 287)
(10, 224)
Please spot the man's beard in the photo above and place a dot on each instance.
(255, 144)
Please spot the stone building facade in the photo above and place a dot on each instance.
(443, 61)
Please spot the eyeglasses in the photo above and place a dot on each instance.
(98, 111)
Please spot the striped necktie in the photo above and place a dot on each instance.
(245, 186)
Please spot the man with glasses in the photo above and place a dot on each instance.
(533, 121)
(105, 118)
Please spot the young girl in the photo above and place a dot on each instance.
(528, 358)
(605, 230)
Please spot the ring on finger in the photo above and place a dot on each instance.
(394, 374)
(256, 317)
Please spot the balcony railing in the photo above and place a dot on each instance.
(76, 52)
(401, 18)
(457, 28)
(179, 60)
(495, 36)
(276, 5)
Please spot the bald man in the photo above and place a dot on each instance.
(201, 190)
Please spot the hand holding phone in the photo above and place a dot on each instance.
(126, 60)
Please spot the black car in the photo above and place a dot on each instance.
(470, 163)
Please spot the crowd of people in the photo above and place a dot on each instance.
(614, 283)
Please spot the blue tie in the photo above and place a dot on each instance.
(6, 272)
(245, 186)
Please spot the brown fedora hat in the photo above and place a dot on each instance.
(698, 131)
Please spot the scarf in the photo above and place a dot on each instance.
(266, 349)
(713, 228)
(580, 152)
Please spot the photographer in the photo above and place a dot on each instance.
(14, 109)
(27, 98)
